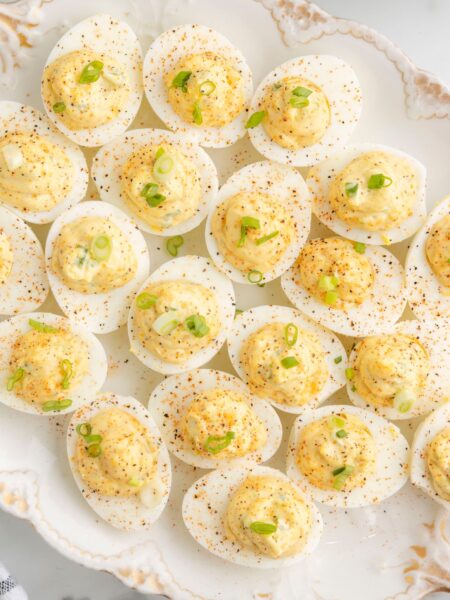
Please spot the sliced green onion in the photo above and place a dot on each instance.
(328, 283)
(151, 194)
(56, 405)
(173, 244)
(91, 72)
(101, 247)
(298, 102)
(255, 276)
(289, 361)
(166, 322)
(255, 119)
(197, 114)
(448, 261)
(337, 421)
(181, 79)
(340, 476)
(215, 443)
(351, 189)
(404, 400)
(94, 450)
(277, 86)
(247, 223)
(331, 297)
(291, 334)
(349, 373)
(42, 327)
(359, 247)
(15, 378)
(238, 312)
(301, 92)
(337, 360)
(159, 153)
(84, 429)
(59, 107)
(93, 438)
(207, 87)
(378, 181)
(263, 528)
(66, 368)
(196, 324)
(341, 433)
(266, 238)
(162, 166)
(134, 482)
(145, 300)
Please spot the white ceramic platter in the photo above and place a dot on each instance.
(394, 550)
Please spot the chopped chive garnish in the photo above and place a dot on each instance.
(277, 86)
(145, 300)
(378, 181)
(42, 327)
(15, 378)
(291, 334)
(338, 471)
(263, 528)
(134, 482)
(91, 72)
(56, 405)
(328, 283)
(349, 373)
(216, 443)
(247, 223)
(289, 361)
(341, 433)
(301, 92)
(266, 238)
(94, 450)
(238, 312)
(340, 476)
(337, 360)
(181, 79)
(255, 119)
(197, 114)
(207, 88)
(84, 429)
(331, 297)
(196, 324)
(100, 248)
(173, 244)
(66, 368)
(359, 247)
(255, 276)
(59, 107)
(298, 101)
(351, 189)
(337, 421)
(151, 194)
(353, 388)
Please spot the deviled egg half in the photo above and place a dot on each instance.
(48, 364)
(255, 517)
(430, 459)
(305, 109)
(181, 316)
(258, 222)
(161, 180)
(286, 358)
(403, 372)
(428, 265)
(23, 280)
(96, 260)
(199, 84)
(92, 81)
(119, 461)
(369, 193)
(347, 286)
(210, 419)
(346, 456)
(42, 173)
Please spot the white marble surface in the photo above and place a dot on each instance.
(420, 28)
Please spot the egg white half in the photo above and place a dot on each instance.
(129, 514)
(91, 383)
(172, 397)
(204, 508)
(106, 312)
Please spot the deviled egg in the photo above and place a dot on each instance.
(256, 517)
(258, 222)
(347, 286)
(402, 372)
(161, 180)
(369, 193)
(96, 260)
(209, 419)
(346, 456)
(305, 109)
(92, 81)
(428, 265)
(181, 316)
(23, 280)
(430, 459)
(48, 364)
(286, 358)
(42, 173)
(119, 461)
(199, 84)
